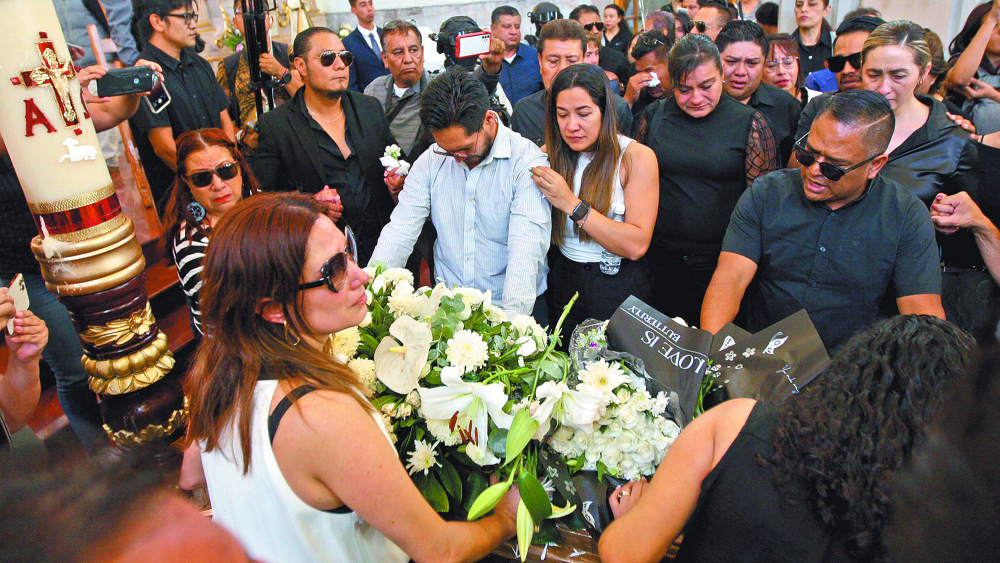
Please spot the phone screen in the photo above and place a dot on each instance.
(158, 98)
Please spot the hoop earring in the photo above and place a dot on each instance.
(297, 337)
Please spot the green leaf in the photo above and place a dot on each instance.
(488, 500)
(533, 496)
(475, 484)
(435, 495)
(450, 479)
(497, 442)
(525, 530)
(551, 368)
(520, 433)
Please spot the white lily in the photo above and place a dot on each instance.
(472, 401)
(398, 363)
(567, 407)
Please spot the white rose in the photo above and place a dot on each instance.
(614, 429)
(526, 346)
(645, 431)
(628, 441)
(622, 395)
(645, 453)
(611, 456)
(592, 454)
(378, 286)
(369, 297)
(367, 320)
(581, 438)
(564, 433)
(641, 401)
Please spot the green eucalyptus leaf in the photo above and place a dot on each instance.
(488, 500)
(520, 433)
(450, 479)
(534, 497)
(497, 442)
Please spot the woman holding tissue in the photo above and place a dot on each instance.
(603, 191)
(212, 177)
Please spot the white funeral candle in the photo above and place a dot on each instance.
(51, 141)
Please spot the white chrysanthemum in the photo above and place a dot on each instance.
(346, 342)
(467, 351)
(387, 423)
(364, 368)
(395, 276)
(601, 379)
(441, 430)
(422, 458)
(660, 404)
(495, 315)
(401, 300)
(641, 401)
(470, 295)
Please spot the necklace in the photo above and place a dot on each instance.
(334, 120)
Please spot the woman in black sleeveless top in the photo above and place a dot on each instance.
(710, 148)
(807, 481)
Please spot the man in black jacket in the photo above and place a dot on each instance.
(327, 141)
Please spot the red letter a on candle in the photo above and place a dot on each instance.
(34, 116)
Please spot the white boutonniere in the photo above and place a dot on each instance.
(390, 159)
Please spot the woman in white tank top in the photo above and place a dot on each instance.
(595, 172)
(297, 463)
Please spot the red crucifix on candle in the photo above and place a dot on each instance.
(56, 76)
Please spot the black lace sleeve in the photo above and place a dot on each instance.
(762, 149)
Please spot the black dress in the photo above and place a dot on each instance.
(741, 515)
(705, 165)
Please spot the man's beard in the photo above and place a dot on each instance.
(473, 161)
(334, 94)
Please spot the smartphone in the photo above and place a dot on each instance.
(472, 44)
(122, 81)
(20, 295)
(158, 97)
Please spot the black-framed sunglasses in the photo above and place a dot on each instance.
(591, 27)
(188, 17)
(702, 26)
(836, 64)
(203, 178)
(829, 171)
(648, 41)
(326, 58)
(786, 62)
(334, 271)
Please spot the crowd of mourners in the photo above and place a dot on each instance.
(709, 164)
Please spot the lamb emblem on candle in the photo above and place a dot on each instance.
(78, 153)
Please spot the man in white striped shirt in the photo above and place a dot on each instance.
(493, 225)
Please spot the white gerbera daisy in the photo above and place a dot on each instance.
(422, 458)
(467, 351)
(441, 430)
(600, 379)
(364, 368)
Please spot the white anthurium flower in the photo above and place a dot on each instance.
(398, 363)
(567, 407)
(472, 401)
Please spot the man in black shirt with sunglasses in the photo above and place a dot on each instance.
(327, 141)
(833, 237)
(611, 60)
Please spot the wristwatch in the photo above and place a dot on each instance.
(580, 211)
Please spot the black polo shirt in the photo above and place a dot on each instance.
(837, 264)
(782, 111)
(812, 57)
(196, 101)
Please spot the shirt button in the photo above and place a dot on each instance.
(467, 258)
(471, 199)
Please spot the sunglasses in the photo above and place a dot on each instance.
(203, 178)
(326, 58)
(786, 62)
(702, 26)
(188, 17)
(836, 64)
(599, 26)
(334, 271)
(829, 171)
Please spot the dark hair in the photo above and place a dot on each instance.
(791, 46)
(728, 12)
(401, 28)
(257, 252)
(583, 9)
(839, 442)
(863, 109)
(939, 65)
(690, 52)
(824, 25)
(767, 14)
(616, 8)
(599, 176)
(866, 24)
(455, 97)
(190, 142)
(862, 11)
(972, 24)
(142, 9)
(303, 41)
(946, 501)
(743, 30)
(503, 11)
(901, 33)
(654, 41)
(562, 30)
(661, 20)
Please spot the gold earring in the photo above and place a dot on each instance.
(297, 337)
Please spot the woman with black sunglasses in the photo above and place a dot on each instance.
(297, 462)
(212, 177)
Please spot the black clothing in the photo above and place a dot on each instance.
(621, 39)
(782, 112)
(837, 264)
(705, 164)
(812, 58)
(642, 102)
(613, 60)
(17, 228)
(295, 153)
(196, 101)
(529, 117)
(810, 112)
(742, 516)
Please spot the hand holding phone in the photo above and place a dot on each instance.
(123, 81)
(472, 44)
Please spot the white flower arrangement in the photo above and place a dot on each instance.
(391, 159)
